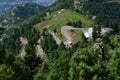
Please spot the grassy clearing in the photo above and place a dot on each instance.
(76, 35)
(57, 20)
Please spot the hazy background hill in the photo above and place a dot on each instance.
(20, 12)
(6, 4)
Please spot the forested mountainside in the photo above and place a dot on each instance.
(59, 5)
(70, 40)
(6, 4)
(19, 13)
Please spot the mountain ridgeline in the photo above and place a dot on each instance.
(68, 4)
(6, 4)
(19, 13)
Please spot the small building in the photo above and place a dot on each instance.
(62, 9)
(87, 32)
(105, 30)
(59, 12)
(94, 17)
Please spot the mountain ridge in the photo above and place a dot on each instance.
(6, 4)
(19, 13)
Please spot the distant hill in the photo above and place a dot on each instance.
(62, 4)
(19, 13)
(6, 4)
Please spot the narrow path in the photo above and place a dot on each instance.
(58, 41)
(23, 41)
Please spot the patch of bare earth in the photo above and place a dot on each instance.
(46, 26)
(23, 40)
(40, 52)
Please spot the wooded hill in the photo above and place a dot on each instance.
(83, 61)
(19, 13)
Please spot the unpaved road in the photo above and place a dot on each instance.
(64, 31)
(88, 31)
(58, 41)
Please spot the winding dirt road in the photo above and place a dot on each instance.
(64, 31)
(88, 31)
(58, 41)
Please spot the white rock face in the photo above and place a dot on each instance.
(23, 40)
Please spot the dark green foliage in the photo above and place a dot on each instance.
(58, 65)
(11, 40)
(10, 47)
(48, 43)
(42, 72)
(22, 72)
(2, 55)
(96, 32)
(103, 10)
(6, 73)
(19, 13)
(113, 66)
(62, 4)
(1, 30)
(97, 0)
(31, 60)
(108, 14)
(77, 24)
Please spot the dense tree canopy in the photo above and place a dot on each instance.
(82, 61)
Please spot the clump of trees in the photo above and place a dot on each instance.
(77, 24)
(1, 30)
(96, 31)
(107, 13)
(62, 4)
(81, 63)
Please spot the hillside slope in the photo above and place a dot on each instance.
(19, 13)
(6, 4)
(60, 18)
